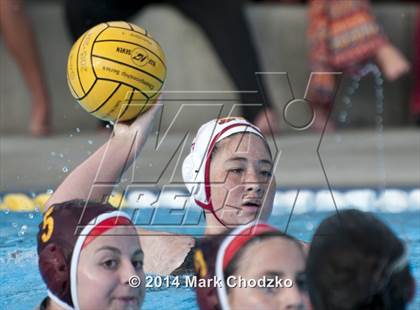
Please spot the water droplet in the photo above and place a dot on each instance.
(71, 135)
(90, 142)
(52, 153)
(6, 211)
(343, 117)
(338, 138)
(14, 225)
(108, 126)
(77, 129)
(24, 227)
(21, 233)
(31, 216)
(346, 100)
(65, 169)
(61, 155)
(49, 191)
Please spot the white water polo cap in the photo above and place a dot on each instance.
(196, 166)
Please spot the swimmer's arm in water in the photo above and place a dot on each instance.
(108, 163)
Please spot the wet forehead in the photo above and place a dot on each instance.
(123, 238)
(274, 254)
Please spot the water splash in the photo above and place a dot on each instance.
(65, 169)
(370, 69)
(22, 230)
(78, 130)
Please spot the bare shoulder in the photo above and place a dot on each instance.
(164, 252)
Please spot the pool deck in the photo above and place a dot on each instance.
(350, 158)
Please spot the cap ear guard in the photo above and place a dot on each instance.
(55, 271)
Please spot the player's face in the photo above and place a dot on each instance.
(105, 267)
(273, 258)
(242, 186)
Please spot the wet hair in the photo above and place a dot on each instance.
(351, 265)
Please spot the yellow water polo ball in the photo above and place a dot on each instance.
(116, 71)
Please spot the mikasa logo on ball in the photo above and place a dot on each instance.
(140, 57)
(123, 50)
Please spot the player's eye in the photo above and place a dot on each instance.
(236, 170)
(269, 290)
(110, 264)
(138, 264)
(267, 173)
(300, 281)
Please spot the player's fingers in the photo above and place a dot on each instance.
(146, 119)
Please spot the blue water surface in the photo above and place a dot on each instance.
(22, 287)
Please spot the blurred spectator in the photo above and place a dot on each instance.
(225, 26)
(18, 36)
(342, 36)
(415, 100)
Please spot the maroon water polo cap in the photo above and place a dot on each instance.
(67, 228)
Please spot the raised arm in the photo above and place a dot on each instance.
(108, 163)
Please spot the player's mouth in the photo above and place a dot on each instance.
(128, 300)
(251, 205)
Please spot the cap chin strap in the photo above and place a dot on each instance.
(400, 263)
(209, 207)
(219, 136)
(78, 248)
(198, 166)
(59, 302)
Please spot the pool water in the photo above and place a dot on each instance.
(22, 287)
